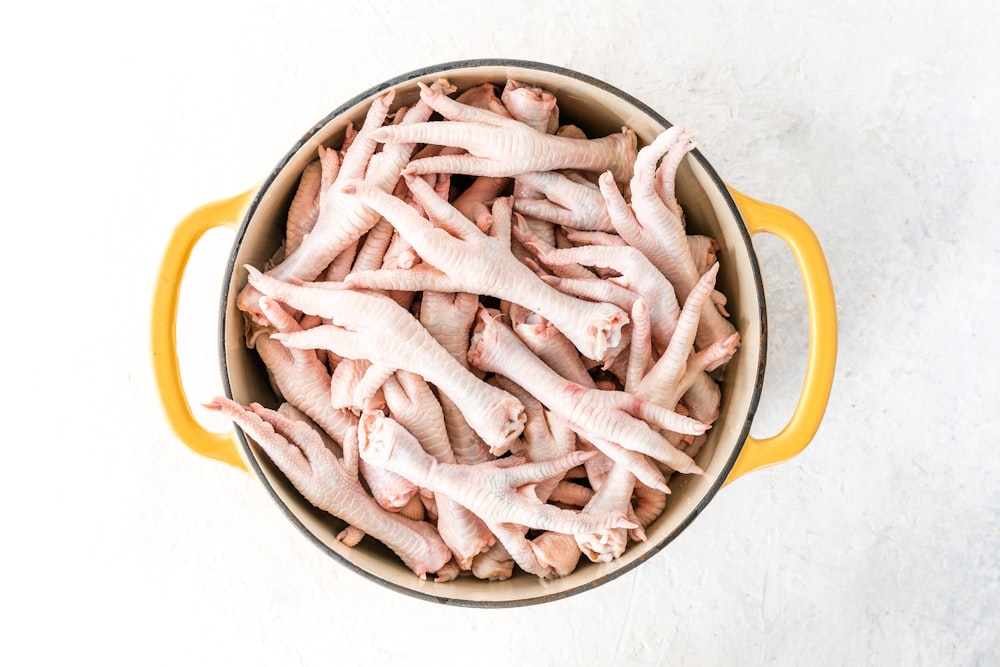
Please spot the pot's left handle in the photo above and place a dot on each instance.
(224, 213)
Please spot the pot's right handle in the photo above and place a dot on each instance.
(822, 306)
(219, 446)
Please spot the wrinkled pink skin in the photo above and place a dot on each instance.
(533, 106)
(552, 554)
(674, 258)
(578, 237)
(356, 384)
(519, 548)
(703, 397)
(339, 216)
(299, 376)
(418, 509)
(341, 264)
(389, 490)
(543, 249)
(504, 147)
(637, 275)
(484, 96)
(448, 317)
(667, 171)
(350, 536)
(602, 417)
(366, 392)
(399, 255)
(352, 457)
(679, 372)
(567, 202)
(320, 477)
(703, 251)
(464, 533)
(490, 490)
(549, 345)
(540, 443)
(605, 545)
(475, 263)
(544, 231)
(571, 493)
(369, 326)
(640, 357)
(557, 552)
(650, 226)
(412, 403)
(304, 209)
(494, 564)
(371, 254)
(594, 290)
(598, 468)
(342, 219)
(648, 503)
(473, 203)
(668, 379)
(608, 419)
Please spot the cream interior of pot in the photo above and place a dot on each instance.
(599, 112)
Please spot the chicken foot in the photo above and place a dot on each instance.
(374, 327)
(492, 491)
(505, 147)
(474, 262)
(602, 417)
(412, 403)
(317, 474)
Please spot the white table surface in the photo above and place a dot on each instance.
(878, 123)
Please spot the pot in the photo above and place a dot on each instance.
(711, 208)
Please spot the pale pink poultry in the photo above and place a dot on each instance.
(412, 403)
(466, 260)
(443, 249)
(567, 202)
(653, 228)
(490, 490)
(603, 546)
(320, 477)
(636, 274)
(298, 375)
(533, 106)
(374, 327)
(503, 147)
(602, 417)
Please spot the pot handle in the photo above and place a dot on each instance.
(822, 306)
(224, 213)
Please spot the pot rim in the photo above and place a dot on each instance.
(755, 392)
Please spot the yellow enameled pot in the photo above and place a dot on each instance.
(711, 208)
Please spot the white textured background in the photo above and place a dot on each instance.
(878, 123)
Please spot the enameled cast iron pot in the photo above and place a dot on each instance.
(711, 208)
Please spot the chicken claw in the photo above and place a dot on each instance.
(492, 490)
(501, 146)
(599, 416)
(321, 478)
(466, 260)
(369, 326)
